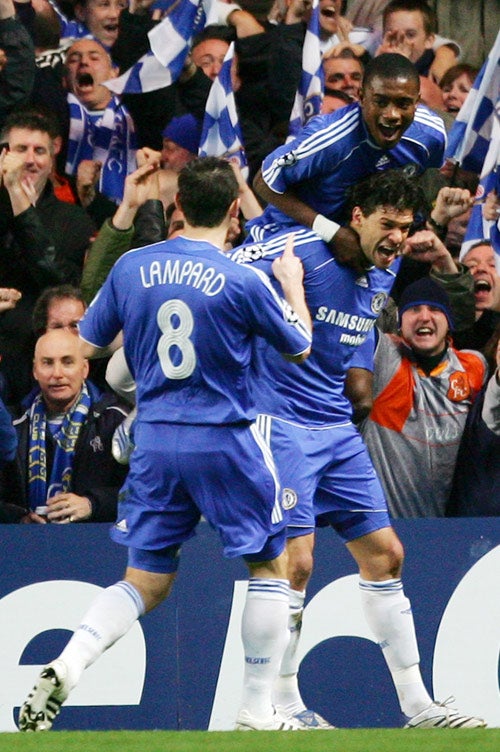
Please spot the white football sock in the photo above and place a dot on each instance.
(264, 633)
(286, 687)
(109, 617)
(388, 613)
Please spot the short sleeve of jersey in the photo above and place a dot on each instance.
(429, 131)
(319, 145)
(102, 321)
(272, 317)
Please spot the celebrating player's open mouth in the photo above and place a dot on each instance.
(390, 133)
(384, 255)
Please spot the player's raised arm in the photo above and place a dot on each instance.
(343, 242)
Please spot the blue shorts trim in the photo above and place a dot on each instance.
(164, 561)
(273, 548)
(298, 532)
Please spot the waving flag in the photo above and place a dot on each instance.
(310, 92)
(221, 133)
(170, 43)
(469, 137)
(474, 143)
(478, 227)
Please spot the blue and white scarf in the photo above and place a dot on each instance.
(65, 439)
(108, 137)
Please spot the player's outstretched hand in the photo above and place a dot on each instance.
(287, 268)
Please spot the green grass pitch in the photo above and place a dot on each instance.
(341, 740)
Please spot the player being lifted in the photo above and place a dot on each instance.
(322, 461)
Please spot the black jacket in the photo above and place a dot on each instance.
(96, 474)
(18, 75)
(43, 246)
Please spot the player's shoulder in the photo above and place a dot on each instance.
(334, 127)
(139, 255)
(428, 124)
(261, 253)
(322, 134)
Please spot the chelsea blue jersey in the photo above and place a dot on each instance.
(334, 152)
(190, 317)
(344, 307)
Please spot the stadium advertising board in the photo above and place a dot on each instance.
(181, 666)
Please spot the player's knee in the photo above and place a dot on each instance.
(153, 587)
(395, 558)
(383, 564)
(300, 568)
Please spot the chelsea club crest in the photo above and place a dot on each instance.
(378, 302)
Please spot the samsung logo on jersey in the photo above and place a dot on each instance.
(192, 273)
(345, 320)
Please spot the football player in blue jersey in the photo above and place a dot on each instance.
(324, 466)
(305, 181)
(190, 318)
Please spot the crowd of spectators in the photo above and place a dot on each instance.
(87, 174)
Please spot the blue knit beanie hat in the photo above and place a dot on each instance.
(425, 291)
(184, 131)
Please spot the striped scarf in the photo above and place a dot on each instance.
(65, 440)
(108, 137)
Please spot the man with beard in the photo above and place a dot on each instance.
(423, 390)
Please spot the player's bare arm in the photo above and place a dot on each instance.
(342, 241)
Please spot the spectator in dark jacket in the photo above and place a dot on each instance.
(43, 241)
(17, 61)
(476, 487)
(64, 471)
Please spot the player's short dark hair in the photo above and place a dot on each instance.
(33, 119)
(428, 15)
(207, 188)
(40, 316)
(390, 65)
(389, 188)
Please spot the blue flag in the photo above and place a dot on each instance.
(170, 43)
(221, 132)
(309, 95)
(470, 135)
(478, 227)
